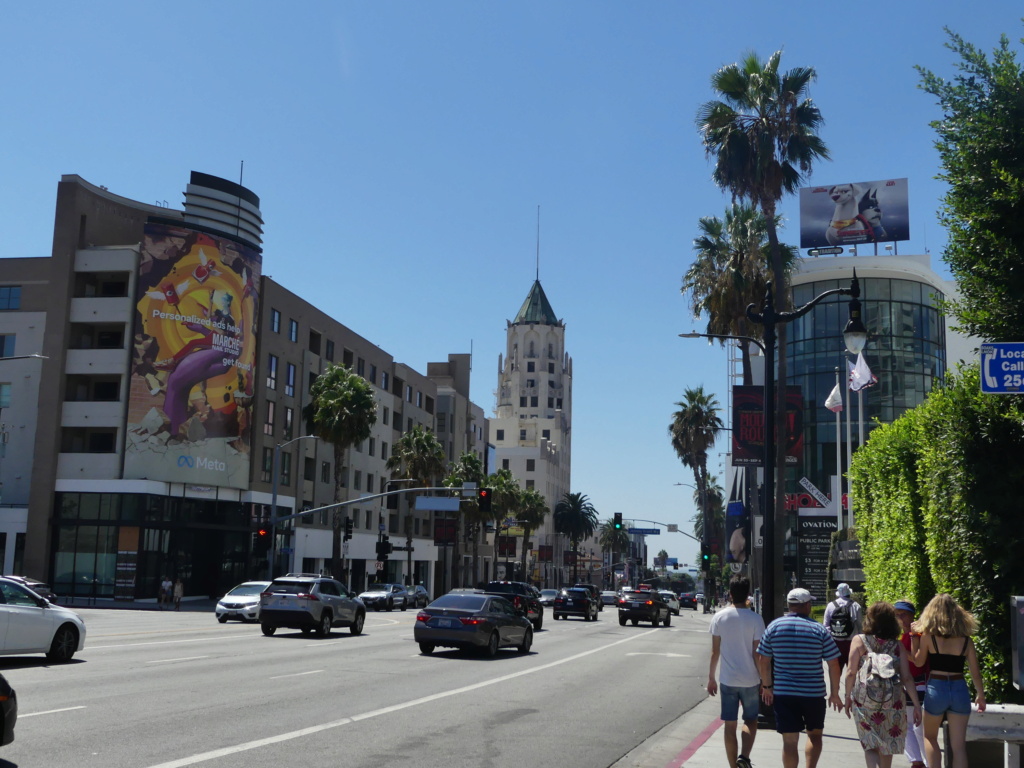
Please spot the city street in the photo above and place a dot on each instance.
(163, 689)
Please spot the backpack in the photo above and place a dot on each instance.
(878, 679)
(841, 622)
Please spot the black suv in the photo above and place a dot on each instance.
(575, 601)
(523, 596)
(643, 606)
(595, 592)
(308, 601)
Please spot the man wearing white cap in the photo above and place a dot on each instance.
(790, 655)
(842, 617)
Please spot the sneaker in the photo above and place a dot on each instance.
(743, 762)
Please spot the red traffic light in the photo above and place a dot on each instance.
(262, 533)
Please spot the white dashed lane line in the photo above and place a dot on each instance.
(22, 715)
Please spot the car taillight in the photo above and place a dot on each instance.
(305, 596)
(268, 593)
(623, 600)
(421, 616)
(650, 602)
(517, 601)
(471, 622)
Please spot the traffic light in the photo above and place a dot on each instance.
(675, 566)
(383, 548)
(705, 557)
(348, 528)
(617, 525)
(261, 541)
(483, 499)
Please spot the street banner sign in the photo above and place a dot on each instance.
(812, 489)
(833, 251)
(437, 504)
(644, 531)
(1002, 367)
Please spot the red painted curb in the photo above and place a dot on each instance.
(694, 745)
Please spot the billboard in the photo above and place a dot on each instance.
(748, 426)
(193, 359)
(852, 213)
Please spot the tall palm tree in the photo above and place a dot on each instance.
(663, 558)
(469, 469)
(342, 411)
(417, 455)
(693, 431)
(533, 510)
(716, 509)
(576, 518)
(506, 500)
(615, 542)
(762, 136)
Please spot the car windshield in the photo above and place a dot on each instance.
(463, 602)
(378, 588)
(247, 589)
(548, 592)
(577, 593)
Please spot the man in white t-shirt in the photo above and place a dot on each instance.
(735, 633)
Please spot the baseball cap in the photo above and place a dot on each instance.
(799, 595)
(904, 605)
(843, 590)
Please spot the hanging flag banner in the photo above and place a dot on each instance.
(737, 533)
(834, 402)
(748, 426)
(861, 376)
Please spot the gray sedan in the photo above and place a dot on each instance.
(472, 621)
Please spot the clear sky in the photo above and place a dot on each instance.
(401, 149)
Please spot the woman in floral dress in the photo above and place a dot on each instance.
(882, 730)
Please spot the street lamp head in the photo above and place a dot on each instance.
(855, 334)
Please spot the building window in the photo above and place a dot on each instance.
(419, 399)
(293, 330)
(325, 472)
(88, 440)
(5, 395)
(373, 446)
(357, 480)
(272, 372)
(501, 434)
(313, 376)
(531, 367)
(558, 403)
(384, 380)
(368, 520)
(309, 469)
(373, 374)
(551, 384)
(329, 351)
(529, 485)
(531, 383)
(7, 345)
(522, 401)
(551, 367)
(408, 424)
(268, 422)
(267, 467)
(551, 402)
(369, 482)
(286, 468)
(275, 321)
(533, 401)
(10, 297)
(289, 382)
(442, 423)
(346, 358)
(546, 434)
(386, 416)
(531, 465)
(314, 342)
(361, 367)
(289, 422)
(384, 450)
(522, 434)
(408, 393)
(504, 463)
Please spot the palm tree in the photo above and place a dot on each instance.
(532, 511)
(575, 517)
(615, 542)
(693, 431)
(342, 411)
(469, 469)
(762, 136)
(663, 558)
(506, 500)
(716, 509)
(417, 455)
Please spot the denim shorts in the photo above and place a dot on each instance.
(944, 695)
(731, 698)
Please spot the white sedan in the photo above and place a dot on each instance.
(32, 624)
(670, 597)
(242, 602)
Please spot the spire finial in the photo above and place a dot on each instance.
(538, 242)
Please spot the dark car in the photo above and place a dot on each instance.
(523, 596)
(8, 712)
(472, 620)
(576, 601)
(40, 588)
(688, 600)
(419, 597)
(643, 606)
(595, 592)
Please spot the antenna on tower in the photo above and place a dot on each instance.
(538, 243)
(241, 171)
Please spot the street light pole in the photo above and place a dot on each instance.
(855, 334)
(273, 501)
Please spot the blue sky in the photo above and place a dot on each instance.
(401, 149)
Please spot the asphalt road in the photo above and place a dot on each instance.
(163, 690)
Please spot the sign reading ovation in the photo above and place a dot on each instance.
(193, 359)
(748, 426)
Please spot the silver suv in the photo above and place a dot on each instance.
(308, 601)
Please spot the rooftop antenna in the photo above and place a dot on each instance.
(538, 243)
(241, 172)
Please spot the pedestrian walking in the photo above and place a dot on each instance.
(179, 592)
(735, 634)
(876, 679)
(914, 750)
(165, 591)
(797, 645)
(942, 638)
(842, 617)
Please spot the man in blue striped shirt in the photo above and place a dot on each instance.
(796, 688)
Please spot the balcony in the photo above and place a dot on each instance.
(93, 361)
(99, 309)
(92, 414)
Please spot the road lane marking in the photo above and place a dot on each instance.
(298, 674)
(173, 642)
(203, 757)
(183, 658)
(48, 712)
(669, 655)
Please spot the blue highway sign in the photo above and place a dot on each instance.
(1002, 367)
(645, 531)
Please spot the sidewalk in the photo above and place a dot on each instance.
(190, 604)
(695, 741)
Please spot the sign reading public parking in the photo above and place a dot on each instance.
(1002, 367)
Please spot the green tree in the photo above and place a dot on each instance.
(693, 431)
(533, 509)
(506, 499)
(576, 518)
(342, 411)
(716, 509)
(981, 149)
(469, 469)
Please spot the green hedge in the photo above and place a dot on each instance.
(937, 502)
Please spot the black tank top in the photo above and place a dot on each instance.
(947, 663)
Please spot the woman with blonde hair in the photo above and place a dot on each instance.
(942, 639)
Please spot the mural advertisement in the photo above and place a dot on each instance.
(193, 359)
(858, 212)
(748, 426)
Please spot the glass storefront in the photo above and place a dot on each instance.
(122, 545)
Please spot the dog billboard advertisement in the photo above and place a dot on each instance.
(854, 213)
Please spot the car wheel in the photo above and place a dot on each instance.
(64, 645)
(492, 645)
(324, 627)
(557, 617)
(655, 621)
(391, 606)
(307, 630)
(622, 621)
(268, 629)
(222, 619)
(668, 619)
(524, 647)
(357, 625)
(635, 621)
(426, 648)
(538, 623)
(405, 605)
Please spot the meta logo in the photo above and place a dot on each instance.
(202, 463)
